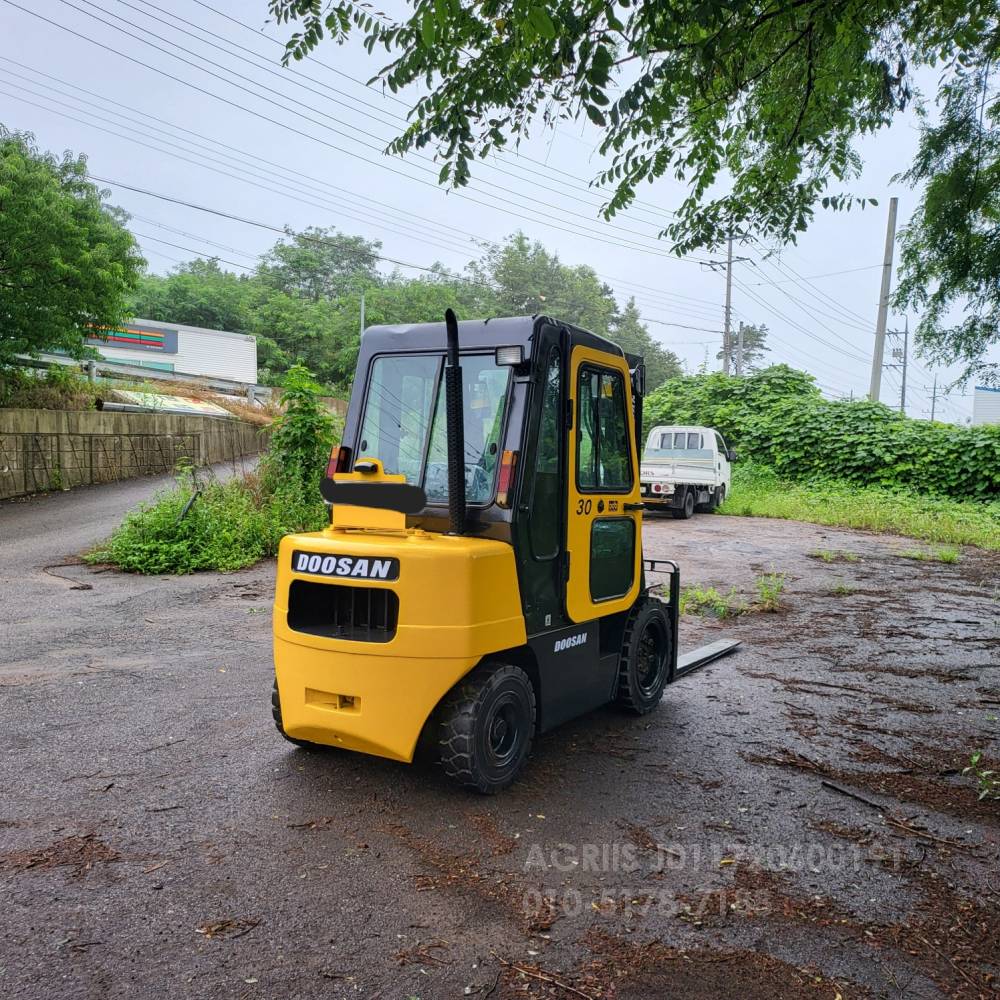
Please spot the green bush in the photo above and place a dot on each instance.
(229, 525)
(58, 388)
(759, 491)
(301, 437)
(778, 417)
(728, 404)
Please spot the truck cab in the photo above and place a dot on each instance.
(684, 469)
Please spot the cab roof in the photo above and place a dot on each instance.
(500, 331)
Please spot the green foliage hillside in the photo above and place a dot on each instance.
(779, 418)
(303, 303)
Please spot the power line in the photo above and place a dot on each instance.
(289, 76)
(310, 184)
(827, 274)
(513, 158)
(775, 311)
(305, 237)
(659, 294)
(504, 208)
(178, 246)
(400, 227)
(780, 269)
(612, 238)
(171, 152)
(850, 317)
(815, 318)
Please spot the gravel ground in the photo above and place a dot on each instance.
(159, 839)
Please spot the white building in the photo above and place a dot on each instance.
(186, 350)
(985, 405)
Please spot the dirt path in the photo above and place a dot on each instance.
(158, 839)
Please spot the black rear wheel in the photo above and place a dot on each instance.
(686, 509)
(276, 715)
(714, 501)
(486, 728)
(647, 652)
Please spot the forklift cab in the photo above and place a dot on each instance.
(481, 579)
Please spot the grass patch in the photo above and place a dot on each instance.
(769, 588)
(697, 600)
(56, 388)
(942, 555)
(757, 491)
(832, 556)
(987, 779)
(842, 590)
(228, 525)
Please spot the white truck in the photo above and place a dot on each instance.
(684, 469)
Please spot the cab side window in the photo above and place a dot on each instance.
(543, 525)
(603, 452)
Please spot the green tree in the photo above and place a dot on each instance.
(198, 293)
(301, 438)
(67, 262)
(321, 263)
(754, 347)
(951, 248)
(527, 279)
(757, 107)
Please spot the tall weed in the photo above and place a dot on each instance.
(758, 491)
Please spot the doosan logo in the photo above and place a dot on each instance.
(569, 642)
(353, 566)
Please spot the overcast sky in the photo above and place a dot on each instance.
(303, 147)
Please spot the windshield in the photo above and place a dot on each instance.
(405, 426)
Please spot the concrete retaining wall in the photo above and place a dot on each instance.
(57, 449)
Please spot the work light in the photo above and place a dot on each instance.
(513, 355)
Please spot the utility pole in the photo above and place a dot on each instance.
(726, 334)
(934, 398)
(883, 304)
(739, 350)
(898, 355)
(906, 351)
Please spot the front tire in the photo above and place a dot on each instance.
(687, 506)
(487, 726)
(647, 653)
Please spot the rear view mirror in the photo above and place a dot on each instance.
(731, 455)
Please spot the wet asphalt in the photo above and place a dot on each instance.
(159, 839)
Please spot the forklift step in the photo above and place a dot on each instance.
(689, 662)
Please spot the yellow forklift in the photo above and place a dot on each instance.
(481, 579)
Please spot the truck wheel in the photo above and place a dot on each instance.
(276, 715)
(714, 501)
(647, 650)
(687, 506)
(487, 727)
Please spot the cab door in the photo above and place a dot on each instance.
(603, 535)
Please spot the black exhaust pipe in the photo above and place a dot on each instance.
(455, 412)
